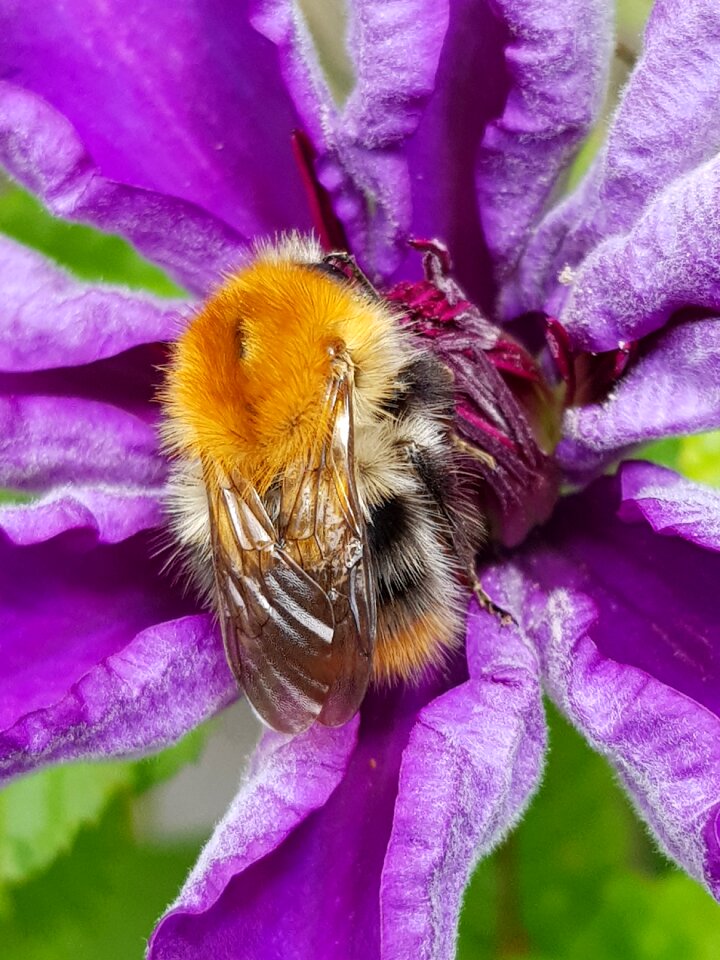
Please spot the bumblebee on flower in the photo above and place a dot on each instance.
(133, 664)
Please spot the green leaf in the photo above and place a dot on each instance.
(42, 814)
(696, 457)
(579, 833)
(14, 496)
(540, 891)
(89, 254)
(699, 458)
(639, 918)
(666, 452)
(100, 902)
(478, 927)
(161, 766)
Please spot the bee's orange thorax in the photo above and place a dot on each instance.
(249, 376)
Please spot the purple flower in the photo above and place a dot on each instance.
(171, 124)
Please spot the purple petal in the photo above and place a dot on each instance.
(674, 389)
(95, 661)
(184, 99)
(473, 761)
(391, 86)
(405, 138)
(671, 504)
(471, 88)
(265, 894)
(406, 124)
(147, 694)
(667, 124)
(626, 623)
(290, 778)
(47, 441)
(630, 285)
(360, 142)
(110, 515)
(49, 319)
(94, 424)
(557, 57)
(41, 149)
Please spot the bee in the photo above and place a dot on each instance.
(316, 488)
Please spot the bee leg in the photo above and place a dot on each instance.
(486, 603)
(475, 452)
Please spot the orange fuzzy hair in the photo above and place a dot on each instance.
(248, 377)
(409, 650)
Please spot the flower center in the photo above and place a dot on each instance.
(508, 412)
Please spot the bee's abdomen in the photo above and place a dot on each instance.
(414, 537)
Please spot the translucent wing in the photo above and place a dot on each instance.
(293, 584)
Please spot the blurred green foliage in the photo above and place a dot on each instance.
(580, 879)
(41, 814)
(99, 902)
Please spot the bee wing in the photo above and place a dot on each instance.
(295, 601)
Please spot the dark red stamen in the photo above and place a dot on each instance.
(624, 356)
(330, 230)
(508, 358)
(466, 411)
(561, 351)
(588, 377)
(426, 303)
(436, 306)
(500, 396)
(438, 251)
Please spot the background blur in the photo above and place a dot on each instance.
(91, 854)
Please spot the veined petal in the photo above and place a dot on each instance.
(666, 124)
(471, 88)
(160, 684)
(49, 319)
(390, 88)
(271, 875)
(184, 99)
(473, 760)
(672, 390)
(630, 285)
(94, 424)
(406, 122)
(557, 57)
(626, 624)
(40, 148)
(95, 659)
